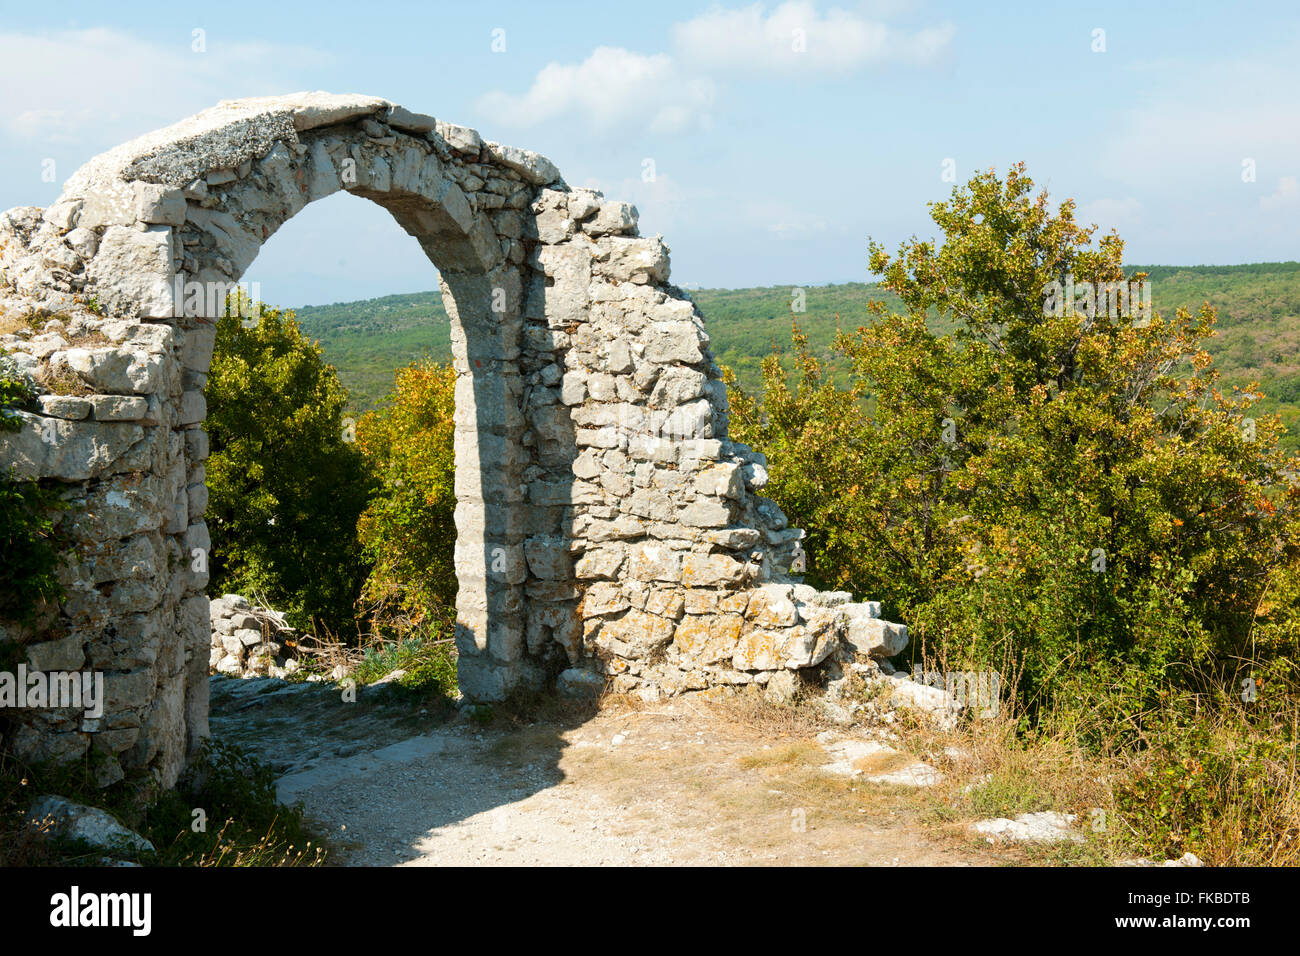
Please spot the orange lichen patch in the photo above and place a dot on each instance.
(708, 639)
(735, 603)
(759, 651)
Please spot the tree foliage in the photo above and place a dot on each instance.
(287, 482)
(1075, 489)
(29, 549)
(408, 531)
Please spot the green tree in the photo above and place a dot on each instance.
(287, 482)
(29, 549)
(409, 531)
(1071, 490)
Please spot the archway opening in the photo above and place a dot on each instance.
(481, 291)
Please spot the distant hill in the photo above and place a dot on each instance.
(1259, 328)
(368, 341)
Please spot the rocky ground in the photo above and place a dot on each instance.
(690, 780)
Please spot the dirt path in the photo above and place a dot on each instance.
(681, 782)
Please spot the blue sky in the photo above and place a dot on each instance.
(771, 165)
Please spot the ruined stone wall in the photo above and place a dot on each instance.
(607, 528)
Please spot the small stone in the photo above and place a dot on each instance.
(1047, 826)
(76, 821)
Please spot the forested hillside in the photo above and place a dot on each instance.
(1258, 331)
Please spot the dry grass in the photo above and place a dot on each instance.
(11, 322)
(803, 753)
(22, 844)
(750, 711)
(62, 381)
(88, 338)
(269, 851)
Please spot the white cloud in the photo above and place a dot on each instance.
(615, 88)
(54, 126)
(1286, 194)
(610, 88)
(795, 36)
(111, 86)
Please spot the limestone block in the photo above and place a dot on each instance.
(194, 408)
(603, 598)
(132, 690)
(867, 634)
(197, 553)
(654, 561)
(634, 635)
(638, 261)
(601, 562)
(66, 654)
(196, 444)
(677, 385)
(613, 218)
(706, 513)
(758, 650)
(64, 406)
(111, 203)
(70, 451)
(808, 646)
(75, 821)
(118, 408)
(579, 682)
(708, 639)
(548, 557)
(402, 118)
(711, 570)
(550, 226)
(83, 242)
(772, 606)
(723, 480)
(312, 110)
(560, 294)
(672, 342)
(114, 369)
(694, 420)
(573, 390)
(460, 138)
(159, 204)
(132, 271)
(534, 167)
(63, 215)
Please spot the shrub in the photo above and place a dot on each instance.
(29, 545)
(408, 529)
(1219, 782)
(1072, 488)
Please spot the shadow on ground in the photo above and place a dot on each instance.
(380, 773)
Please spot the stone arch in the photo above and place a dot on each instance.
(608, 531)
